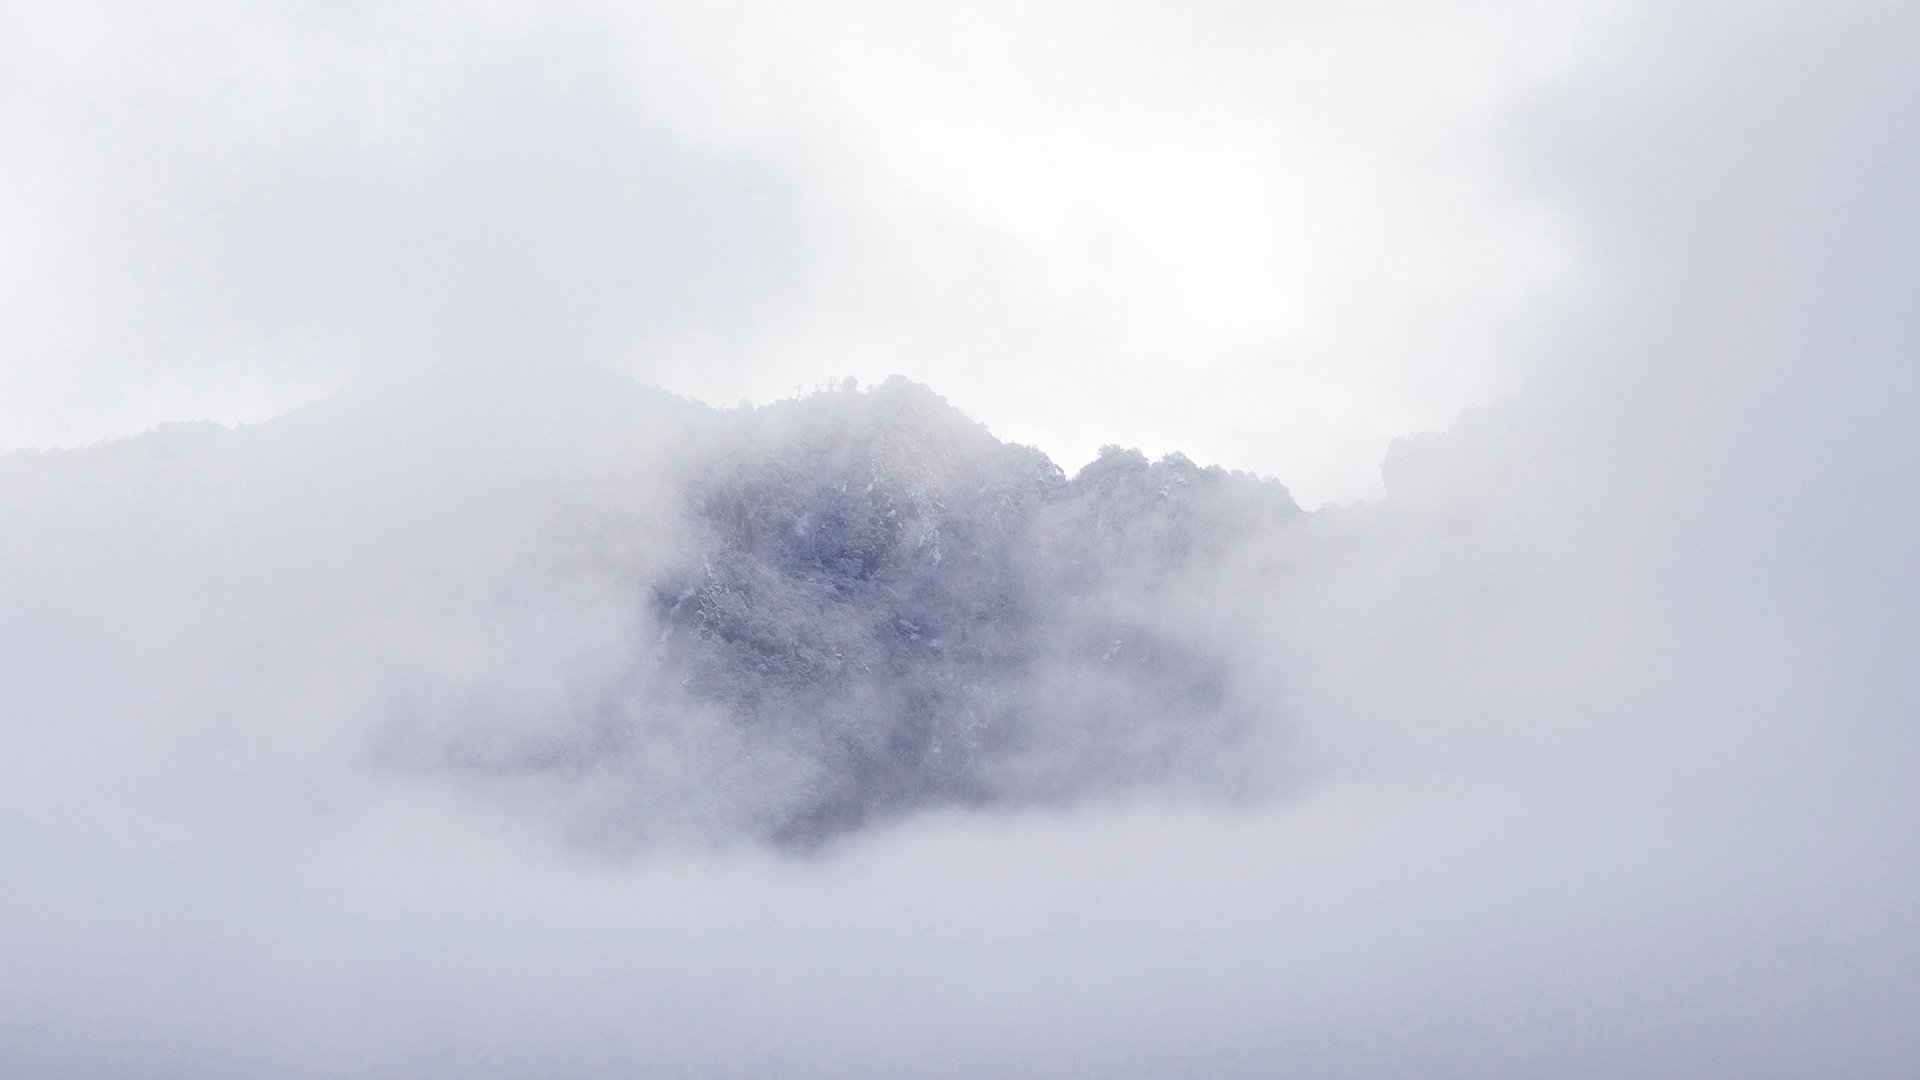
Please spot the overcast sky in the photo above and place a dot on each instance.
(1596, 718)
(1272, 235)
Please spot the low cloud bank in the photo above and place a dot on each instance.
(1586, 752)
(476, 725)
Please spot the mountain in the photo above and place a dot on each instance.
(653, 620)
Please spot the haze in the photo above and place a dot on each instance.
(461, 680)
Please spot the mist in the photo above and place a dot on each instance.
(503, 712)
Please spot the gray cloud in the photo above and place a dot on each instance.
(236, 213)
(1595, 735)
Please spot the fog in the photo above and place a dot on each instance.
(500, 714)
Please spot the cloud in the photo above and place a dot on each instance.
(1309, 213)
(238, 213)
(1594, 735)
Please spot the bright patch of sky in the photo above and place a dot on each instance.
(1270, 236)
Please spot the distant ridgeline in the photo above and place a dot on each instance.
(927, 616)
(659, 622)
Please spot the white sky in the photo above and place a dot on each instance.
(1270, 235)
